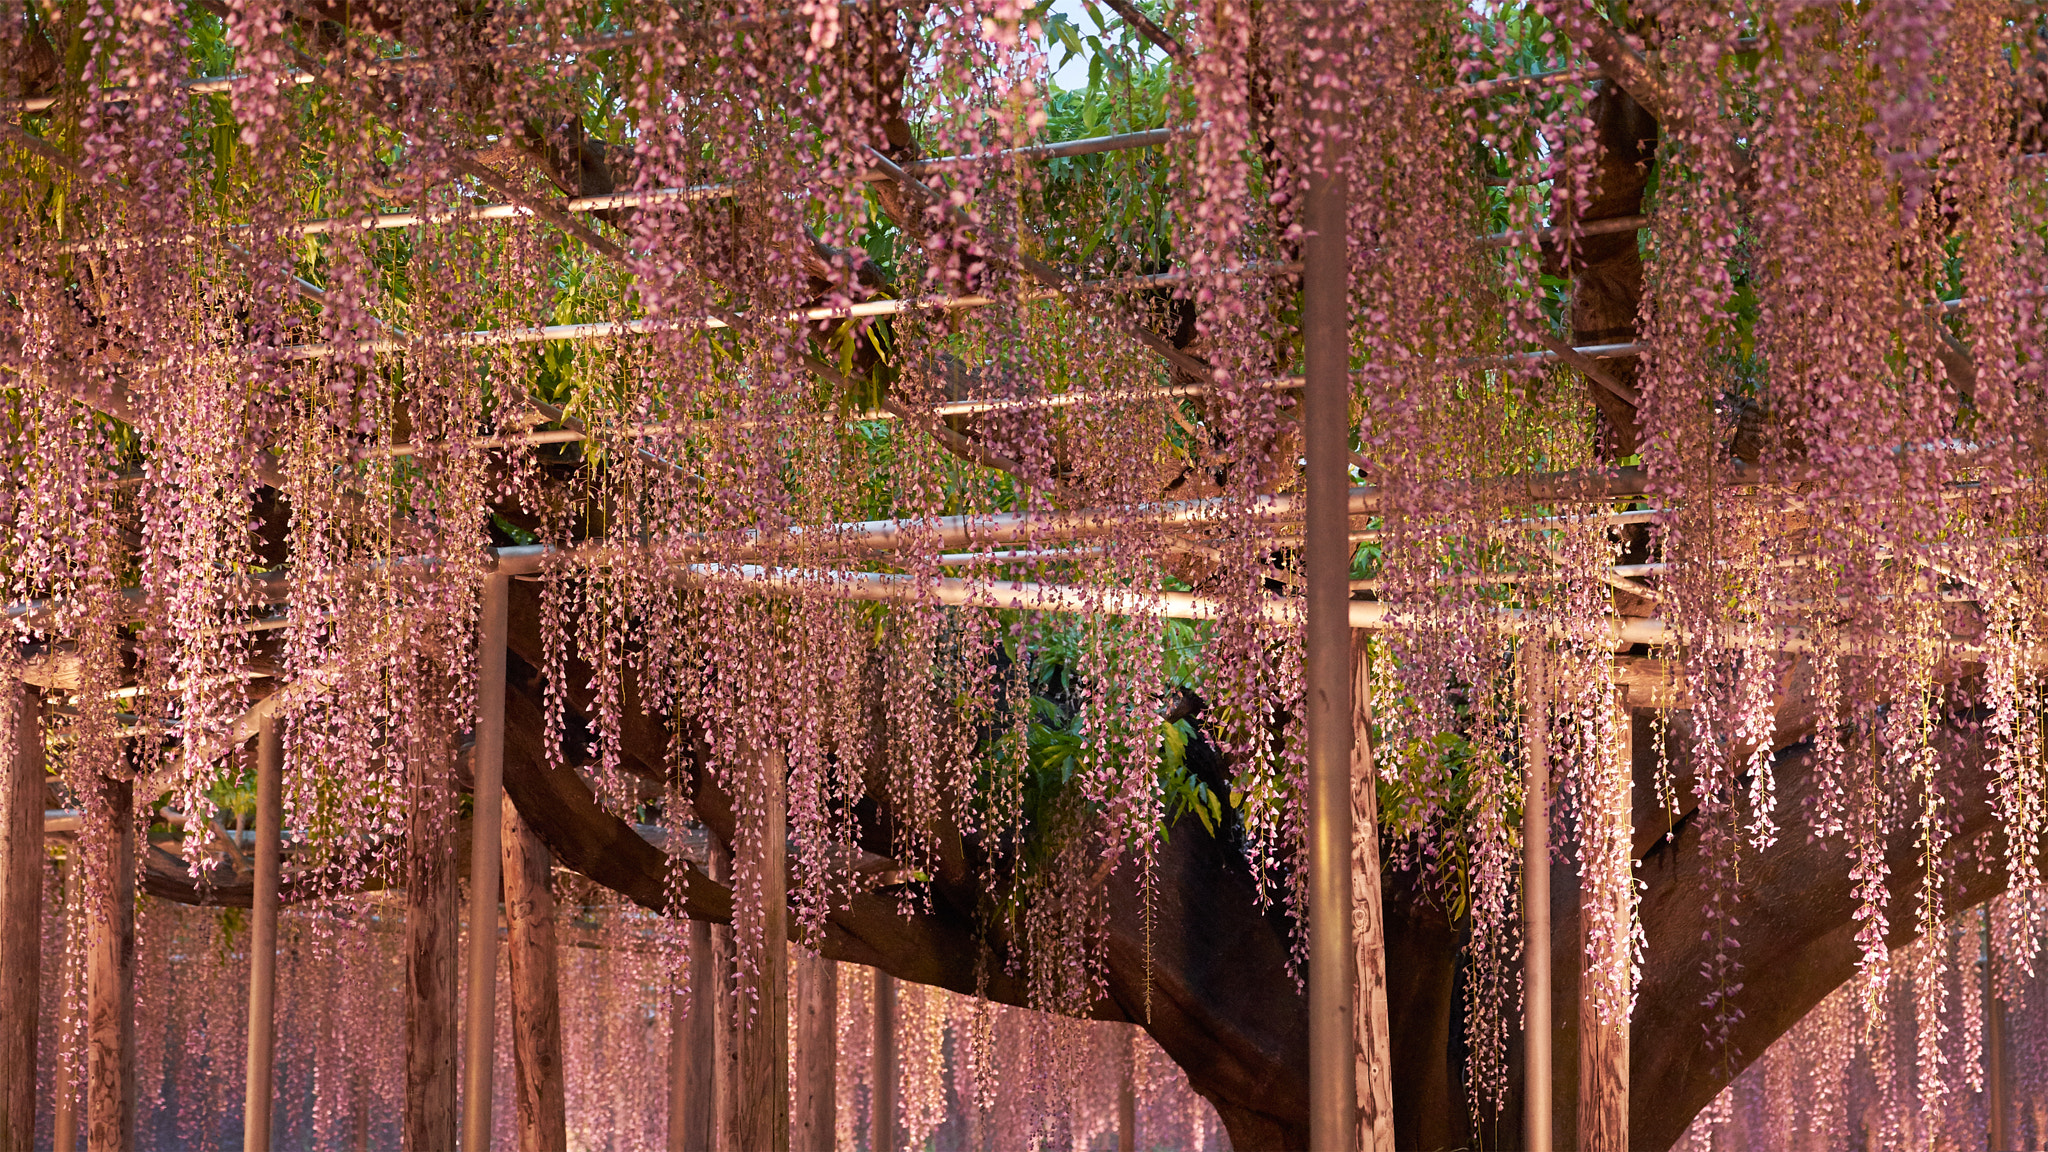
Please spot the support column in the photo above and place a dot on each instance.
(1127, 1094)
(258, 1090)
(813, 1097)
(693, 1050)
(1606, 890)
(110, 967)
(21, 910)
(883, 1114)
(64, 1126)
(1326, 429)
(431, 911)
(536, 1000)
(1996, 1096)
(725, 1053)
(481, 1022)
(1373, 1051)
(761, 1117)
(1535, 900)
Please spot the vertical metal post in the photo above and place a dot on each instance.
(1535, 901)
(1326, 431)
(258, 1090)
(480, 1027)
(1127, 1094)
(21, 911)
(883, 1119)
(1996, 1135)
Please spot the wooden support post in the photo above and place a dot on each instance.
(814, 1095)
(1605, 889)
(258, 1090)
(21, 910)
(536, 1001)
(431, 911)
(110, 968)
(883, 1117)
(64, 1126)
(487, 788)
(1374, 1048)
(761, 1118)
(1535, 900)
(693, 1050)
(1127, 1093)
(1326, 566)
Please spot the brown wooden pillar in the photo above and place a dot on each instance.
(536, 998)
(21, 909)
(883, 1118)
(1374, 1048)
(693, 1049)
(109, 832)
(431, 937)
(761, 1115)
(814, 1096)
(1604, 888)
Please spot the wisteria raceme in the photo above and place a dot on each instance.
(891, 455)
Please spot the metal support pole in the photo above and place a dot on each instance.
(1127, 1093)
(1326, 429)
(479, 1030)
(883, 1119)
(1996, 1134)
(1535, 902)
(258, 1091)
(21, 911)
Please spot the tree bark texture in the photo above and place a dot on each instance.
(1603, 1007)
(110, 968)
(539, 1105)
(1373, 1050)
(21, 909)
(813, 1098)
(761, 1118)
(431, 938)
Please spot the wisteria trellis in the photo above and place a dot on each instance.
(815, 444)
